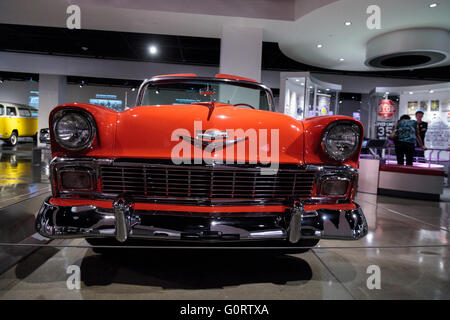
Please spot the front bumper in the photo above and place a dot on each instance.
(122, 222)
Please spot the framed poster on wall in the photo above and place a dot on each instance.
(434, 105)
(413, 106)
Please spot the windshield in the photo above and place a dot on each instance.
(181, 92)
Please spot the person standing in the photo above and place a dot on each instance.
(406, 137)
(423, 127)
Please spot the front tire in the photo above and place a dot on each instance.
(13, 139)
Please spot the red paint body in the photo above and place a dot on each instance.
(146, 132)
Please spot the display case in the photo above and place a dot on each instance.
(303, 96)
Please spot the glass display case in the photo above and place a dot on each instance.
(302, 96)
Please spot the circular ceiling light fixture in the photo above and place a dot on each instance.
(348, 23)
(153, 49)
(409, 48)
(319, 46)
(411, 92)
(341, 59)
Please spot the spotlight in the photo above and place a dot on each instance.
(153, 50)
(341, 59)
(348, 23)
(411, 92)
(133, 89)
(297, 80)
(302, 83)
(319, 46)
(433, 5)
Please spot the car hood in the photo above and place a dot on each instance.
(169, 131)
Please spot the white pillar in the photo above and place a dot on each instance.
(52, 92)
(241, 51)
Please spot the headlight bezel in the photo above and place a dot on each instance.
(59, 115)
(354, 127)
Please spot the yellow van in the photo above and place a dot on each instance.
(17, 120)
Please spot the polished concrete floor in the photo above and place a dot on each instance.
(408, 241)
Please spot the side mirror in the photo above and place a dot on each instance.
(44, 136)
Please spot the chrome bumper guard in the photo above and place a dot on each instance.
(123, 223)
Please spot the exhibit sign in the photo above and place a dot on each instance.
(386, 109)
(384, 129)
(386, 114)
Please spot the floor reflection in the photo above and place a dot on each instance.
(18, 174)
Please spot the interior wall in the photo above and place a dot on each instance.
(17, 91)
(358, 84)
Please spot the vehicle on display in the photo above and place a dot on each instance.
(17, 120)
(201, 161)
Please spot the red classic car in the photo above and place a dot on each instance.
(201, 160)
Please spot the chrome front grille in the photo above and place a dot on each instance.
(204, 182)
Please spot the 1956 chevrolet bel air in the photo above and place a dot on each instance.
(205, 161)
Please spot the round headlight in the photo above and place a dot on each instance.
(74, 130)
(341, 140)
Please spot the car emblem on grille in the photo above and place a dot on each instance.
(213, 139)
(212, 135)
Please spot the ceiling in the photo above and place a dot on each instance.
(296, 25)
(172, 49)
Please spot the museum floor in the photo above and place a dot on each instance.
(408, 240)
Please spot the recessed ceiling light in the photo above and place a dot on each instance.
(328, 89)
(302, 83)
(311, 87)
(341, 59)
(411, 92)
(319, 46)
(133, 89)
(433, 5)
(340, 101)
(431, 91)
(84, 48)
(348, 23)
(153, 49)
(387, 92)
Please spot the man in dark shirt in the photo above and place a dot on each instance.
(423, 127)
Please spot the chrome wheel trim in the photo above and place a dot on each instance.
(13, 139)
